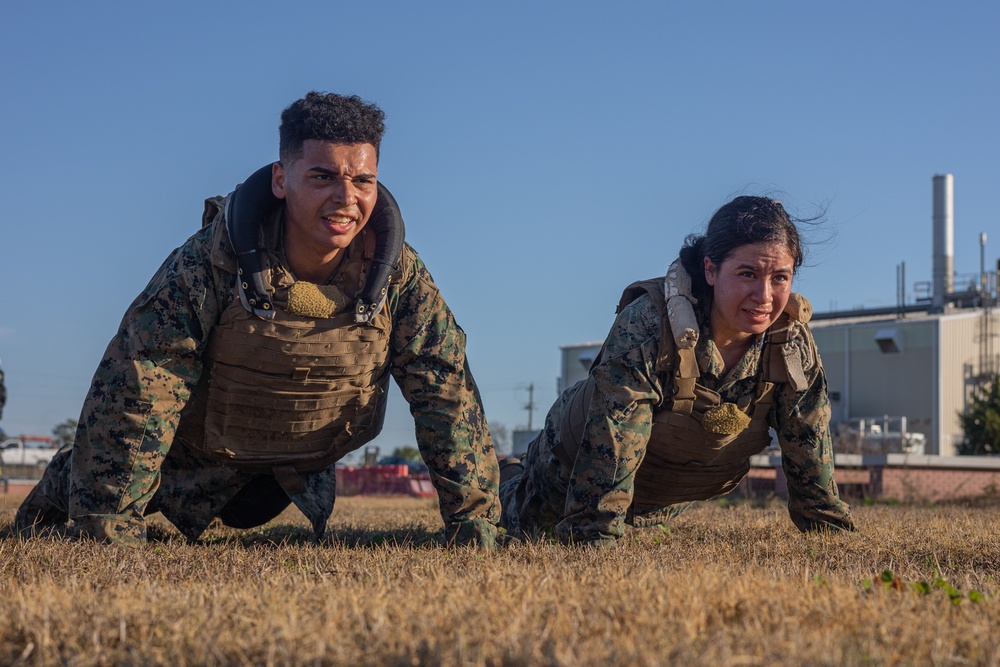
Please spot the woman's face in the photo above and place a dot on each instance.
(749, 290)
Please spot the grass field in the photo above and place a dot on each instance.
(721, 585)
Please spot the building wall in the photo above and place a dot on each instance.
(833, 346)
(960, 356)
(891, 477)
(867, 382)
(910, 484)
(894, 383)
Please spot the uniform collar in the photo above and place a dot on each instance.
(710, 359)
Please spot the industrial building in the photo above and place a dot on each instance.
(904, 375)
(911, 369)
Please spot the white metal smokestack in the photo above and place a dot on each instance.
(944, 238)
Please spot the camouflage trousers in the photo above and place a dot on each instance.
(533, 501)
(192, 492)
(533, 489)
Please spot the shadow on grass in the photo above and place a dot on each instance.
(281, 535)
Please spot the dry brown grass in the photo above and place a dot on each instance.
(734, 585)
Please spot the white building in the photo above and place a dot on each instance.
(575, 363)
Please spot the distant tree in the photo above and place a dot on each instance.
(981, 420)
(65, 433)
(501, 438)
(408, 452)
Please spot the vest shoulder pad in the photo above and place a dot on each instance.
(656, 289)
(214, 207)
(652, 286)
(223, 255)
(798, 308)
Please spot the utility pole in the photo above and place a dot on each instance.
(530, 407)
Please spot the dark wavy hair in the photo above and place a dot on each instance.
(742, 221)
(343, 119)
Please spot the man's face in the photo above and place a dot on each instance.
(329, 195)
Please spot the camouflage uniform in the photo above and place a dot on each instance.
(593, 502)
(125, 462)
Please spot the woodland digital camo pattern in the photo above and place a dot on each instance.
(123, 461)
(593, 502)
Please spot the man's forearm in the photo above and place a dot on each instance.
(126, 428)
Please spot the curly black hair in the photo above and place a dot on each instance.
(346, 119)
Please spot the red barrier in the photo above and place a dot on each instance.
(382, 480)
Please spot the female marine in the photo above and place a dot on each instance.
(697, 368)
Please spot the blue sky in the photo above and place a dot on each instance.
(544, 154)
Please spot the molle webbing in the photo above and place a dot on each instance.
(684, 462)
(296, 392)
(785, 359)
(293, 391)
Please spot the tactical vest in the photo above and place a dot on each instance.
(293, 393)
(698, 447)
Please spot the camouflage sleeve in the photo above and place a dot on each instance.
(430, 367)
(617, 431)
(132, 409)
(802, 422)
